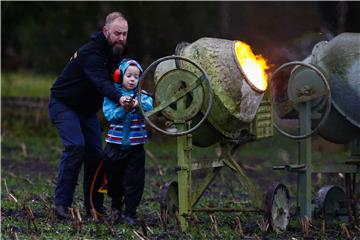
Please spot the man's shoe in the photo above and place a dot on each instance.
(115, 216)
(130, 220)
(61, 212)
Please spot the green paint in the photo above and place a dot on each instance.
(305, 157)
(184, 173)
(235, 103)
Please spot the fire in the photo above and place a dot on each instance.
(254, 66)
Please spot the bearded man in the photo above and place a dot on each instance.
(75, 98)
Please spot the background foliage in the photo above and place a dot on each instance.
(41, 36)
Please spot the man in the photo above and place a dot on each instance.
(75, 98)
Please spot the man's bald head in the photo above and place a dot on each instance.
(115, 31)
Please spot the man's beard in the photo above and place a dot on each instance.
(116, 50)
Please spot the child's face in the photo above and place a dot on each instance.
(131, 78)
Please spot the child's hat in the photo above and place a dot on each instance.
(124, 64)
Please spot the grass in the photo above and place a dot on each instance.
(30, 176)
(26, 84)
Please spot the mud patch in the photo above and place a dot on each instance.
(30, 167)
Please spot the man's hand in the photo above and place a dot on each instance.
(122, 100)
(135, 103)
(127, 103)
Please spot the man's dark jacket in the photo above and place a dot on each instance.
(86, 78)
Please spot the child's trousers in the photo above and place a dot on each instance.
(125, 172)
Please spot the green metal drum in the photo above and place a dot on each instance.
(236, 101)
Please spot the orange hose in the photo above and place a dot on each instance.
(92, 188)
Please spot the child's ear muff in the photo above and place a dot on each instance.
(117, 76)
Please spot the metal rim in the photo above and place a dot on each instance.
(277, 206)
(210, 98)
(253, 87)
(327, 201)
(328, 102)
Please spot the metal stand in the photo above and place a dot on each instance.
(305, 168)
(305, 158)
(177, 84)
(184, 146)
(188, 198)
(351, 182)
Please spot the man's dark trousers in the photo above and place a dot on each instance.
(81, 137)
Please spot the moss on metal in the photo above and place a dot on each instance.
(235, 103)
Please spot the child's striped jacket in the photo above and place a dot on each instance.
(126, 128)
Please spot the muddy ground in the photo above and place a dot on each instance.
(29, 167)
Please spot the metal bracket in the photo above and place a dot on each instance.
(291, 167)
(181, 168)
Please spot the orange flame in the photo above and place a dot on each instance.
(254, 66)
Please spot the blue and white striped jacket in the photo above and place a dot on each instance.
(126, 128)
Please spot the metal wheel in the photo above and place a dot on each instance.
(309, 85)
(177, 84)
(169, 203)
(331, 203)
(277, 207)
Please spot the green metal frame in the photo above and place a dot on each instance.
(187, 197)
(305, 157)
(184, 146)
(260, 127)
(305, 167)
(302, 99)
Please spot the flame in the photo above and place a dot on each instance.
(254, 66)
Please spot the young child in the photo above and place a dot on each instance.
(124, 158)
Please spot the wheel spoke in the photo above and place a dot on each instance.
(174, 98)
(312, 97)
(276, 203)
(277, 200)
(281, 200)
(274, 215)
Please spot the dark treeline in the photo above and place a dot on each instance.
(41, 36)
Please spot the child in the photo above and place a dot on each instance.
(124, 158)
